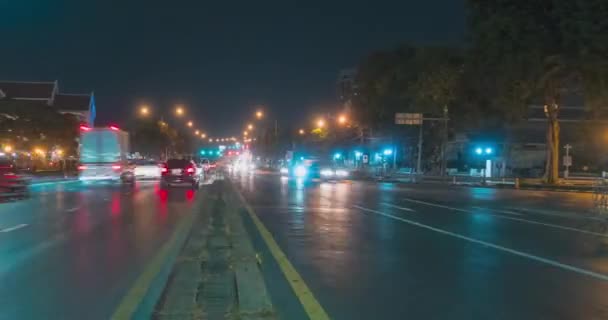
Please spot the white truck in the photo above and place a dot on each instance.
(103, 155)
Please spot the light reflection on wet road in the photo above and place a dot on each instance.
(81, 247)
(387, 251)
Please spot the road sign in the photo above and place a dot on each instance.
(365, 158)
(567, 161)
(408, 118)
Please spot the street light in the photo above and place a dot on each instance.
(259, 114)
(320, 123)
(301, 132)
(179, 111)
(342, 119)
(245, 133)
(210, 140)
(190, 124)
(203, 135)
(250, 127)
(144, 110)
(196, 132)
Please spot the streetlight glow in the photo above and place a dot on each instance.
(203, 135)
(8, 148)
(144, 110)
(342, 119)
(179, 111)
(250, 127)
(259, 114)
(190, 124)
(196, 132)
(321, 123)
(245, 133)
(301, 132)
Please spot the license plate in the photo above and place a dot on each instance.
(176, 171)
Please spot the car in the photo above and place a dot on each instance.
(333, 173)
(180, 172)
(146, 169)
(12, 182)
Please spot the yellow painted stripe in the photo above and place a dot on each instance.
(313, 308)
(138, 291)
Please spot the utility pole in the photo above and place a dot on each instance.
(419, 160)
(567, 161)
(444, 147)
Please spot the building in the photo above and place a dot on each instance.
(47, 93)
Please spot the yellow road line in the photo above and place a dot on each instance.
(128, 306)
(313, 308)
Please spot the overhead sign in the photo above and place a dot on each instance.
(408, 118)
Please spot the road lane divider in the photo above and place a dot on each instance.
(17, 227)
(398, 207)
(311, 305)
(544, 224)
(499, 211)
(553, 263)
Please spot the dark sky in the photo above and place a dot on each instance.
(220, 58)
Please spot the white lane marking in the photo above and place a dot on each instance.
(397, 207)
(499, 210)
(17, 227)
(548, 225)
(561, 215)
(73, 209)
(550, 262)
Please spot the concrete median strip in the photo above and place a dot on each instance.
(216, 274)
(525, 255)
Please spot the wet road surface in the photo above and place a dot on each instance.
(72, 251)
(390, 251)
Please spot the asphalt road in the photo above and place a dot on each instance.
(72, 251)
(390, 251)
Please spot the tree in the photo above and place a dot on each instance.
(529, 50)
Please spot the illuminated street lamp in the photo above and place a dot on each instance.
(245, 133)
(320, 123)
(250, 127)
(301, 132)
(144, 110)
(203, 135)
(8, 148)
(179, 111)
(210, 140)
(196, 132)
(190, 124)
(342, 119)
(259, 114)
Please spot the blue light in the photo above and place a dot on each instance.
(388, 152)
(302, 158)
(203, 152)
(358, 154)
(478, 151)
(337, 156)
(488, 150)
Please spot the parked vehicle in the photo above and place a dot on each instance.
(12, 182)
(103, 155)
(181, 172)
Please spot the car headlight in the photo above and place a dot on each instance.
(327, 172)
(341, 173)
(284, 171)
(300, 171)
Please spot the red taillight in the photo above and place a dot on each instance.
(116, 167)
(85, 128)
(81, 167)
(115, 128)
(163, 170)
(190, 170)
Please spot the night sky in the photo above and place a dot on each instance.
(219, 58)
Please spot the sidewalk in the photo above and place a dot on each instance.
(216, 275)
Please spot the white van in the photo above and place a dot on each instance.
(103, 154)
